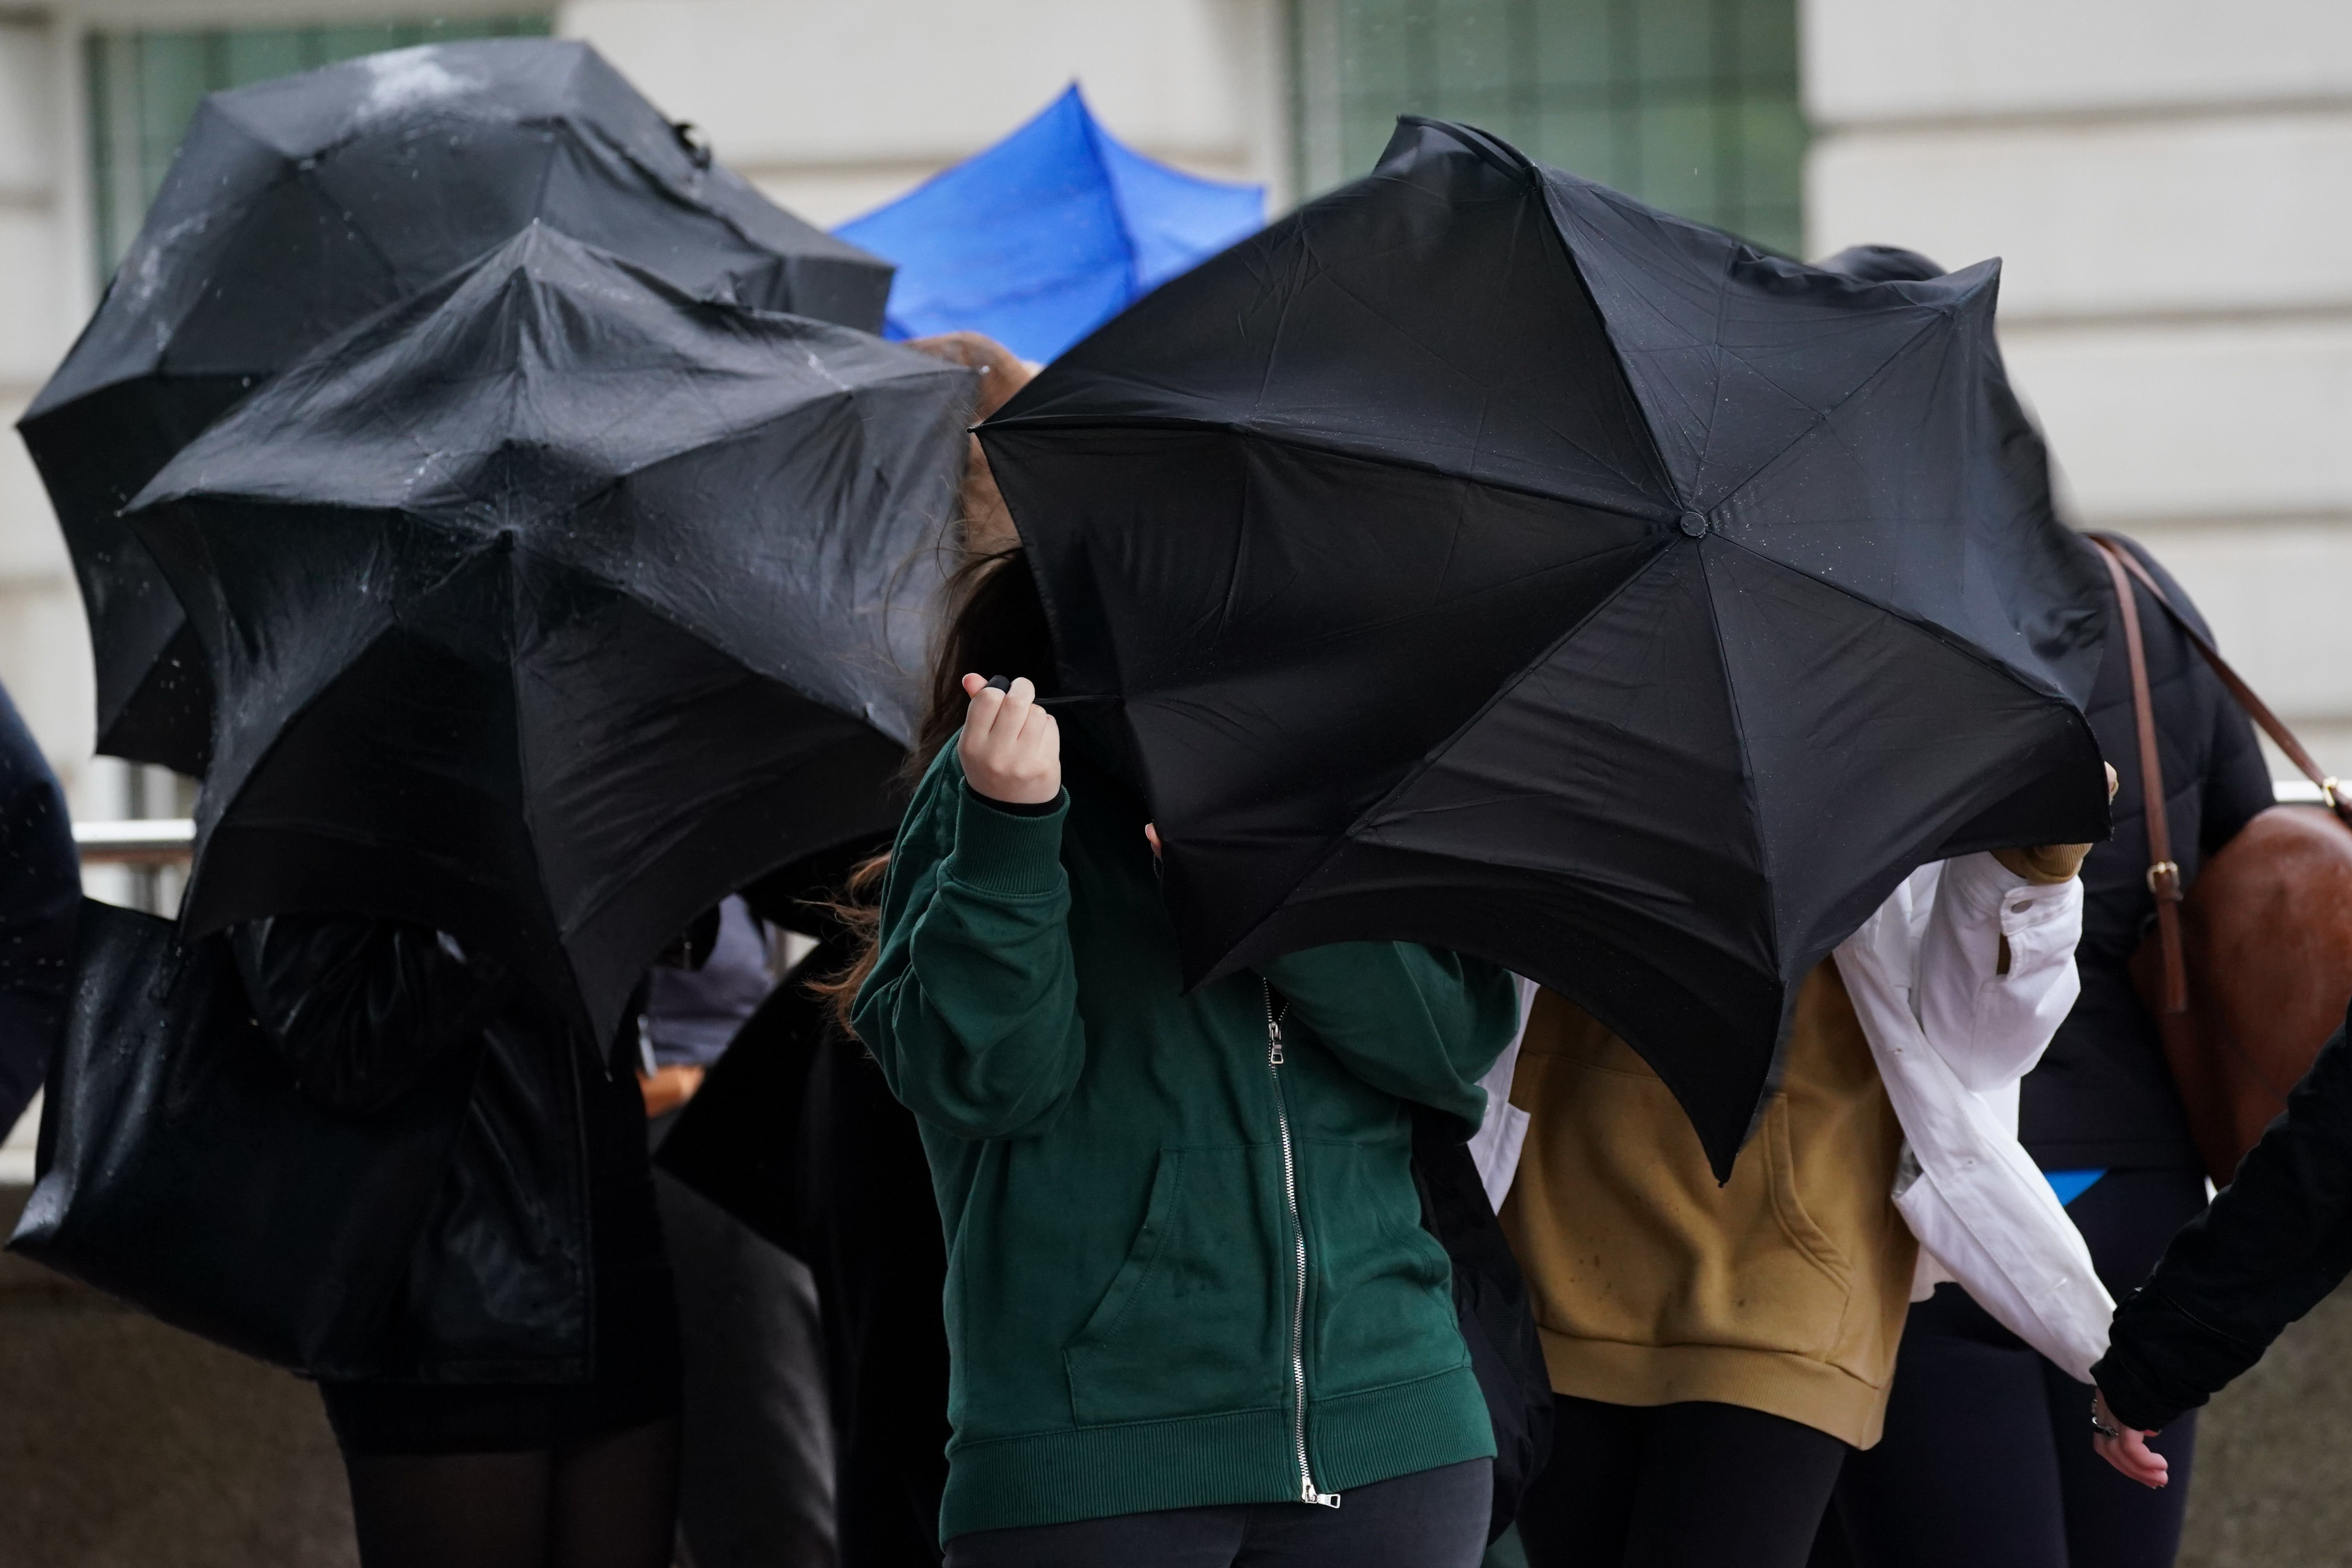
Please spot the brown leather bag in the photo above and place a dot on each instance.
(2249, 974)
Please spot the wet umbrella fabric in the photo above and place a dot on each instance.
(1482, 558)
(552, 604)
(298, 207)
(1046, 235)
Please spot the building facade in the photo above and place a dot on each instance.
(2162, 178)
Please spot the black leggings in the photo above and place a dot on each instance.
(1433, 1518)
(1677, 1485)
(604, 1502)
(1987, 1457)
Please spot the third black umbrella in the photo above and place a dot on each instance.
(1480, 557)
(550, 605)
(297, 206)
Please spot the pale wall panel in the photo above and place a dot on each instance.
(1902, 59)
(829, 196)
(34, 333)
(818, 81)
(2218, 421)
(2275, 596)
(28, 110)
(2196, 214)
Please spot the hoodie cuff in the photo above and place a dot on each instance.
(1013, 853)
(2130, 1398)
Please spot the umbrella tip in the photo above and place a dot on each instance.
(1694, 523)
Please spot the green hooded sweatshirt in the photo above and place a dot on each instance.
(1135, 1302)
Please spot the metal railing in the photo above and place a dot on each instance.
(168, 840)
(139, 841)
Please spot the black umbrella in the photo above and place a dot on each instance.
(550, 605)
(299, 205)
(1482, 558)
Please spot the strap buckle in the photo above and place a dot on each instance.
(2166, 872)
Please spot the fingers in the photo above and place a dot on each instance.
(2131, 1457)
(1011, 747)
(994, 711)
(2128, 1450)
(2115, 782)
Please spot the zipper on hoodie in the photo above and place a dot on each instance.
(1308, 1491)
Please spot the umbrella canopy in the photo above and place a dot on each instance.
(550, 605)
(297, 206)
(1482, 558)
(1047, 235)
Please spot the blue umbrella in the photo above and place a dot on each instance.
(1047, 235)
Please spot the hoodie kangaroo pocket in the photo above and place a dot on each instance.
(1188, 1325)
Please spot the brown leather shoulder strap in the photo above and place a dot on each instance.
(2163, 872)
(2256, 709)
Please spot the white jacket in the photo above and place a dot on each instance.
(1952, 1037)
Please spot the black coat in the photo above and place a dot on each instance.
(2102, 1096)
(2275, 1241)
(40, 894)
(545, 1190)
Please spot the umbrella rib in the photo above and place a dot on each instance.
(1822, 417)
(1940, 633)
(1118, 211)
(1740, 736)
(523, 766)
(1631, 481)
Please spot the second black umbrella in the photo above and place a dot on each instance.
(1479, 557)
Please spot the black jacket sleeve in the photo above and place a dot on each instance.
(2275, 1241)
(360, 1008)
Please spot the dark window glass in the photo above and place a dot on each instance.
(1688, 104)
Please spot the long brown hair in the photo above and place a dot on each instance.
(995, 623)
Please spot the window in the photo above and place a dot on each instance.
(1689, 104)
(144, 87)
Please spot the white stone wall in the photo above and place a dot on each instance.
(44, 647)
(2166, 182)
(835, 108)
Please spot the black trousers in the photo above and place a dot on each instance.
(1693, 1485)
(1987, 1457)
(1433, 1518)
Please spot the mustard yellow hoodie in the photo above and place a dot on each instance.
(1783, 1290)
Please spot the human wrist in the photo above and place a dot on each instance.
(2045, 864)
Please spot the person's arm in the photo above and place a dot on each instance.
(2276, 1240)
(360, 1008)
(1997, 961)
(972, 1007)
(1421, 1023)
(2237, 775)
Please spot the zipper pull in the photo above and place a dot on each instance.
(1307, 1494)
(1272, 1031)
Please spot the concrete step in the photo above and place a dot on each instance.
(125, 1444)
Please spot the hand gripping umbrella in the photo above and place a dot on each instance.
(1479, 557)
(297, 206)
(550, 605)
